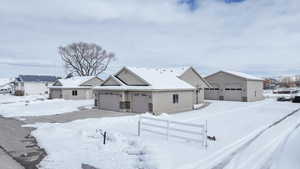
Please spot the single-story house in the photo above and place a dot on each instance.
(234, 86)
(151, 90)
(74, 88)
(32, 84)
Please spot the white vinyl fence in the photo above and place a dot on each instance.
(174, 129)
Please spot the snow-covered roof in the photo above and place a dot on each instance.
(157, 78)
(36, 78)
(238, 74)
(243, 75)
(73, 82)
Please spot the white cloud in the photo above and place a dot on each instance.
(155, 32)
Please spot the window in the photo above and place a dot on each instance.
(216, 88)
(96, 102)
(150, 107)
(175, 98)
(125, 105)
(255, 93)
(74, 92)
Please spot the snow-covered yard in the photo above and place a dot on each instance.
(238, 128)
(38, 105)
(8, 99)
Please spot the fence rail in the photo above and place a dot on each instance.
(174, 129)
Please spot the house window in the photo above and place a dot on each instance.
(96, 102)
(74, 92)
(175, 98)
(150, 107)
(125, 105)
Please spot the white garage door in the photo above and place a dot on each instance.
(56, 93)
(140, 103)
(212, 94)
(110, 102)
(233, 94)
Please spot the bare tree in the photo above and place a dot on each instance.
(85, 59)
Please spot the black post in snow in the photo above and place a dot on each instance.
(104, 138)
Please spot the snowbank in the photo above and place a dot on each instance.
(14, 106)
(8, 99)
(78, 142)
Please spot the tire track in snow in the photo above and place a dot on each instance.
(223, 157)
(263, 158)
(274, 157)
(227, 160)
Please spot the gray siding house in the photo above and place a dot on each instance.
(74, 88)
(234, 86)
(142, 90)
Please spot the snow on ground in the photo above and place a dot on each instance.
(38, 105)
(288, 158)
(8, 98)
(235, 125)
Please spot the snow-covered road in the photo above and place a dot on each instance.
(262, 149)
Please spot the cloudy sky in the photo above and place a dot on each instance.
(260, 37)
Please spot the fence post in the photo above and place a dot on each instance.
(139, 126)
(205, 135)
(104, 138)
(168, 126)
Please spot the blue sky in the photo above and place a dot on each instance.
(194, 4)
(260, 37)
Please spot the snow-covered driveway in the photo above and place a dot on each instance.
(233, 124)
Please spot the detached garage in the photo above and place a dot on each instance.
(234, 86)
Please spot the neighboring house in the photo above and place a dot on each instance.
(151, 90)
(234, 86)
(32, 84)
(270, 83)
(287, 82)
(74, 88)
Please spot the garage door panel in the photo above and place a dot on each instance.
(140, 103)
(233, 95)
(212, 94)
(110, 102)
